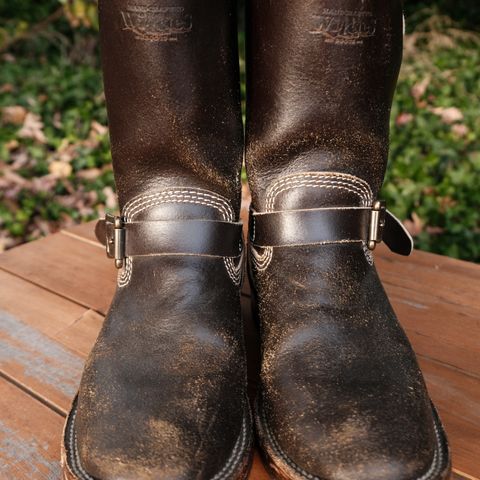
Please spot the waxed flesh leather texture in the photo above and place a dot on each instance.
(189, 237)
(322, 226)
(341, 390)
(163, 393)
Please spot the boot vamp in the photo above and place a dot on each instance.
(163, 392)
(343, 396)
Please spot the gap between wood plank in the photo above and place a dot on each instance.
(81, 239)
(449, 366)
(49, 290)
(31, 393)
(384, 277)
(464, 475)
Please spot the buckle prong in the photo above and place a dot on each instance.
(115, 242)
(377, 224)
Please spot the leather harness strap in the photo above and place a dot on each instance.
(330, 225)
(170, 237)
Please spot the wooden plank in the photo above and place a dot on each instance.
(81, 335)
(457, 397)
(258, 471)
(37, 362)
(44, 339)
(431, 261)
(85, 232)
(437, 300)
(30, 436)
(35, 349)
(458, 475)
(437, 329)
(41, 309)
(66, 266)
(451, 281)
(461, 434)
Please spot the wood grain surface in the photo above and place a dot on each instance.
(55, 292)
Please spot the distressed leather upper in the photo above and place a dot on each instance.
(163, 395)
(342, 396)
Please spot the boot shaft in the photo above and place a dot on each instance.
(321, 77)
(172, 90)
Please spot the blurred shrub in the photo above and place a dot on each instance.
(27, 20)
(55, 164)
(81, 12)
(434, 172)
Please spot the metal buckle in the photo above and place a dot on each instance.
(115, 244)
(377, 224)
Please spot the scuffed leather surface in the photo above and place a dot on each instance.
(163, 391)
(314, 105)
(174, 106)
(342, 392)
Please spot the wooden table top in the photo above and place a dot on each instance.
(55, 292)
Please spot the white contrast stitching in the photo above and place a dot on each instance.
(368, 254)
(262, 260)
(178, 198)
(198, 192)
(234, 271)
(224, 473)
(326, 185)
(324, 177)
(179, 195)
(332, 180)
(298, 182)
(126, 273)
(74, 451)
(236, 454)
(434, 468)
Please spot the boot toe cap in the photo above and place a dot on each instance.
(156, 450)
(189, 461)
(313, 455)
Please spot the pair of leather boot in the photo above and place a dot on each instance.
(163, 394)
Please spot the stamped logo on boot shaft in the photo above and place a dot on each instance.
(344, 27)
(156, 24)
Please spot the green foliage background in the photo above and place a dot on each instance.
(57, 171)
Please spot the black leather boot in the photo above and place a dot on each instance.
(163, 394)
(342, 396)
